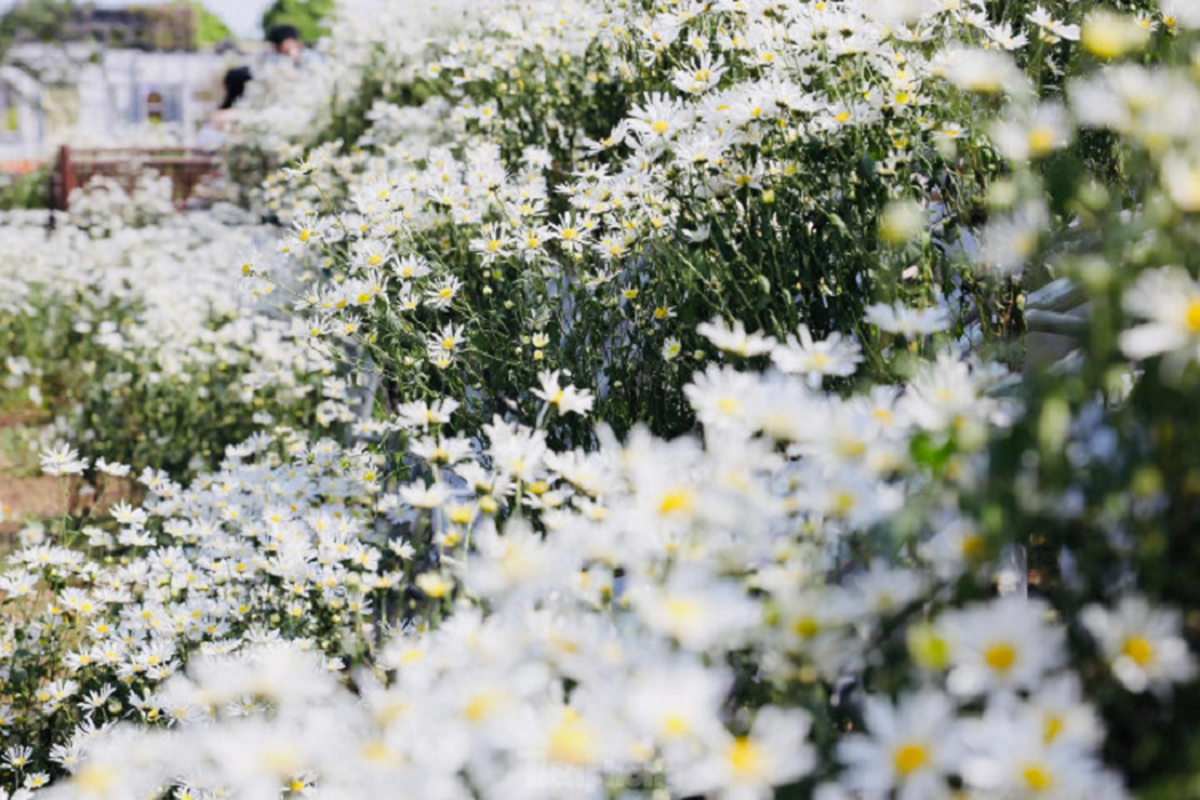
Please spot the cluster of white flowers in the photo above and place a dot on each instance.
(190, 569)
(592, 639)
(816, 590)
(147, 313)
(537, 190)
(106, 204)
(660, 562)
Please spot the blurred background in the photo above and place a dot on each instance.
(126, 74)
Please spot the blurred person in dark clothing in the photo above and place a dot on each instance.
(236, 81)
(286, 42)
(217, 127)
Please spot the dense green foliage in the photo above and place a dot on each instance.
(310, 17)
(211, 29)
(26, 191)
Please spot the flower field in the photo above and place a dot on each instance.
(618, 399)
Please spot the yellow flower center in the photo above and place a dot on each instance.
(730, 405)
(571, 741)
(1001, 657)
(852, 448)
(1052, 726)
(909, 758)
(676, 502)
(1139, 649)
(375, 751)
(660, 127)
(675, 725)
(972, 546)
(1192, 316)
(1037, 777)
(843, 503)
(1041, 140)
(745, 758)
(481, 706)
(95, 779)
(806, 627)
(680, 609)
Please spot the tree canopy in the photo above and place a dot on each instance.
(308, 16)
(35, 19)
(45, 20)
(210, 28)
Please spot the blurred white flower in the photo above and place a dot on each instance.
(1143, 644)
(835, 356)
(775, 752)
(564, 399)
(1011, 756)
(1169, 299)
(61, 459)
(1003, 646)
(1035, 134)
(735, 339)
(908, 321)
(1052, 30)
(910, 748)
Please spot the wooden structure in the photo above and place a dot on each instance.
(145, 28)
(186, 167)
(173, 27)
